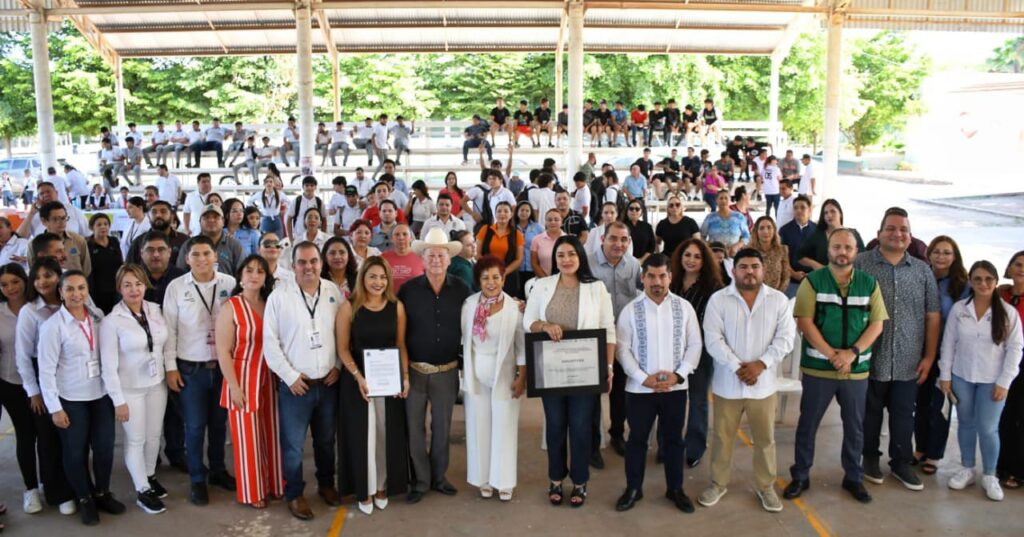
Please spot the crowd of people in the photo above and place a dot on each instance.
(255, 318)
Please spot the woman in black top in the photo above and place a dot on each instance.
(373, 319)
(695, 277)
(641, 233)
(105, 253)
(676, 227)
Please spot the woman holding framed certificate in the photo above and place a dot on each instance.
(571, 299)
(494, 373)
(373, 446)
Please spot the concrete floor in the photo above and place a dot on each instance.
(825, 510)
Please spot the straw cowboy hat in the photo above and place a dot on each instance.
(436, 237)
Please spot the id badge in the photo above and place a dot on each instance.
(92, 368)
(209, 338)
(153, 371)
(314, 340)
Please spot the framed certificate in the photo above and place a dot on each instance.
(382, 369)
(576, 365)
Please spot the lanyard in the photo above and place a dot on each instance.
(213, 298)
(144, 323)
(312, 311)
(88, 334)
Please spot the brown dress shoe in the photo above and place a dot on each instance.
(300, 509)
(330, 496)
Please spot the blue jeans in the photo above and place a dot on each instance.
(711, 200)
(771, 200)
(567, 417)
(696, 438)
(272, 224)
(315, 410)
(92, 428)
(814, 401)
(978, 418)
(633, 129)
(200, 406)
(474, 143)
(931, 429)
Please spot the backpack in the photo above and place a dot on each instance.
(486, 217)
(524, 194)
(597, 190)
(298, 204)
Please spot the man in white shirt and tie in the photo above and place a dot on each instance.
(748, 329)
(299, 347)
(191, 304)
(659, 345)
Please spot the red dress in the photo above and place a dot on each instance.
(254, 429)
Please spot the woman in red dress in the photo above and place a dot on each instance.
(248, 391)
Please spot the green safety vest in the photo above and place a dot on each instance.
(841, 320)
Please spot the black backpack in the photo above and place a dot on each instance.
(524, 194)
(486, 217)
(298, 204)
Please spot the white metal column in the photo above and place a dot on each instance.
(304, 63)
(830, 172)
(119, 98)
(44, 94)
(559, 90)
(575, 146)
(773, 104)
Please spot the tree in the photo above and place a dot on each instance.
(1008, 58)
(891, 72)
(17, 105)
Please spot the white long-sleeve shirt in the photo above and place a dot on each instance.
(735, 334)
(30, 318)
(969, 352)
(69, 365)
(649, 342)
(288, 329)
(189, 324)
(124, 350)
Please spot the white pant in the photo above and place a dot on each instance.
(492, 432)
(142, 431)
(376, 448)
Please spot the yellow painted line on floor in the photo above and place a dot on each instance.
(339, 522)
(813, 518)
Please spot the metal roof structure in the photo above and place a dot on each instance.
(149, 28)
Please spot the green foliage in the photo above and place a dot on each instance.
(17, 105)
(1008, 58)
(891, 72)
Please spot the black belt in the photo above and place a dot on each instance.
(212, 364)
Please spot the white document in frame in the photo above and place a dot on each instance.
(570, 363)
(383, 371)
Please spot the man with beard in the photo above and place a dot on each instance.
(229, 250)
(160, 215)
(748, 330)
(840, 312)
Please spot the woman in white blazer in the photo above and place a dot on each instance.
(494, 377)
(570, 299)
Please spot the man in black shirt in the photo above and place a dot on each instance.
(563, 124)
(499, 114)
(690, 124)
(691, 166)
(602, 124)
(523, 124)
(573, 223)
(709, 123)
(542, 121)
(656, 120)
(672, 122)
(433, 335)
(475, 135)
(589, 119)
(751, 150)
(160, 219)
(726, 167)
(645, 163)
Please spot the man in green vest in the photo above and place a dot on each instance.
(840, 312)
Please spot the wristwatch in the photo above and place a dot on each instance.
(679, 379)
(856, 350)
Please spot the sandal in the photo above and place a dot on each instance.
(578, 496)
(1012, 483)
(555, 493)
(929, 468)
(486, 492)
(505, 495)
(262, 504)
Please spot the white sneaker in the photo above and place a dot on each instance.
(380, 503)
(69, 507)
(962, 479)
(31, 502)
(992, 489)
(366, 508)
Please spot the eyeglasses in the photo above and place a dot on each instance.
(159, 250)
(271, 244)
(60, 219)
(631, 209)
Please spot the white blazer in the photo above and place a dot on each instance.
(595, 309)
(511, 346)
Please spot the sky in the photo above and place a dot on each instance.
(953, 51)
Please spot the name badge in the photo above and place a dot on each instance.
(153, 371)
(92, 368)
(314, 340)
(210, 340)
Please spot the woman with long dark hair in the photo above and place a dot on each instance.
(420, 207)
(814, 251)
(526, 223)
(105, 254)
(570, 299)
(641, 233)
(269, 201)
(502, 240)
(765, 239)
(339, 265)
(1011, 425)
(695, 277)
(249, 391)
(981, 354)
(451, 187)
(931, 428)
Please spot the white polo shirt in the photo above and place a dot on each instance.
(167, 189)
(190, 309)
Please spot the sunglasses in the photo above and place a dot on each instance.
(271, 244)
(631, 209)
(675, 205)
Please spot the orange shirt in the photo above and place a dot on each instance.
(499, 242)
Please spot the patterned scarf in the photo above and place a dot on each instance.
(483, 309)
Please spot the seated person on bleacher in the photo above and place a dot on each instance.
(522, 121)
(542, 121)
(499, 115)
(563, 123)
(620, 124)
(655, 123)
(238, 138)
(475, 135)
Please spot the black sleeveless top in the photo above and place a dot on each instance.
(374, 330)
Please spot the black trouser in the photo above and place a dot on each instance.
(92, 428)
(899, 398)
(669, 408)
(13, 398)
(931, 428)
(1011, 433)
(698, 384)
(174, 429)
(198, 148)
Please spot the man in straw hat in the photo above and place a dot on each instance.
(433, 305)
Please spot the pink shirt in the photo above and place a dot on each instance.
(541, 248)
(716, 182)
(403, 267)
